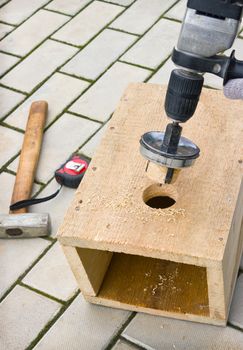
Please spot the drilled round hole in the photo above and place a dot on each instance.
(159, 197)
(160, 202)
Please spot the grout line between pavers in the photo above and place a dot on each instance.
(112, 3)
(84, 117)
(123, 31)
(136, 65)
(172, 19)
(26, 271)
(76, 77)
(4, 3)
(119, 332)
(137, 342)
(52, 321)
(234, 327)
(129, 342)
(13, 89)
(66, 43)
(58, 12)
(40, 292)
(10, 54)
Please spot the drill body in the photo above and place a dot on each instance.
(209, 28)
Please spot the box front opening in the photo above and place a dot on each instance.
(156, 284)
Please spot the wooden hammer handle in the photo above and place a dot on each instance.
(30, 153)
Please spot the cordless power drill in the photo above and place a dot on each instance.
(209, 28)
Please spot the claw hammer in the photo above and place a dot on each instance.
(19, 223)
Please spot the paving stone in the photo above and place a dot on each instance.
(108, 46)
(162, 76)
(3, 1)
(15, 11)
(121, 2)
(7, 62)
(155, 46)
(83, 326)
(38, 66)
(70, 7)
(141, 15)
(16, 256)
(91, 146)
(88, 23)
(58, 206)
(101, 99)
(5, 29)
(60, 90)
(168, 334)
(23, 315)
(53, 275)
(178, 11)
(6, 188)
(9, 99)
(60, 140)
(236, 310)
(9, 137)
(32, 32)
(123, 345)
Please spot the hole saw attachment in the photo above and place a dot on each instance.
(169, 148)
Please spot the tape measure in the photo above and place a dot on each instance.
(68, 174)
(71, 173)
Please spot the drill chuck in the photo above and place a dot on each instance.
(183, 94)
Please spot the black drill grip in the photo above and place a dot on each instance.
(183, 94)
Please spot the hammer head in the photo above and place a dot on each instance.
(28, 225)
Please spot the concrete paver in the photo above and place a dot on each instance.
(178, 11)
(154, 47)
(9, 137)
(5, 29)
(90, 147)
(27, 36)
(88, 23)
(141, 15)
(73, 329)
(108, 46)
(56, 207)
(70, 7)
(16, 256)
(60, 140)
(168, 334)
(38, 66)
(9, 99)
(236, 311)
(60, 90)
(123, 345)
(50, 272)
(15, 11)
(7, 62)
(162, 76)
(107, 91)
(18, 323)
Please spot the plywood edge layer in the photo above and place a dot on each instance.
(187, 317)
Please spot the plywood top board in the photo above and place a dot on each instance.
(108, 211)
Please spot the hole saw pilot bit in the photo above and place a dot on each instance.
(209, 27)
